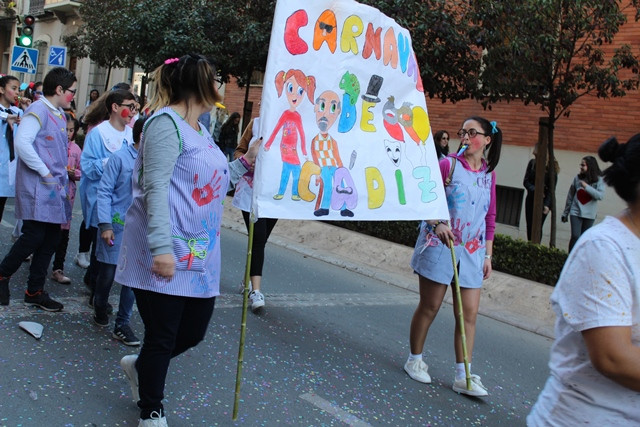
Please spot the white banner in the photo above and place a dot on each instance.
(344, 119)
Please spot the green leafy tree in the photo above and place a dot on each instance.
(104, 35)
(551, 53)
(448, 62)
(245, 29)
(162, 29)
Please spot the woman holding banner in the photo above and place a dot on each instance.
(261, 228)
(470, 190)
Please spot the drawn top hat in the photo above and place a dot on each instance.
(375, 82)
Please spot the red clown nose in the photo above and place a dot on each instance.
(125, 113)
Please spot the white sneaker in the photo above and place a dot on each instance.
(257, 300)
(417, 370)
(82, 259)
(128, 364)
(241, 287)
(155, 421)
(477, 389)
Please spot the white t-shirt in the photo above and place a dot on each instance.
(599, 287)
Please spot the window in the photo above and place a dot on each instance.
(257, 78)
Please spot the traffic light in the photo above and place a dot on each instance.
(25, 32)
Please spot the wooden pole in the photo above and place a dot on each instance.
(458, 298)
(243, 323)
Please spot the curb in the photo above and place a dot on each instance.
(518, 302)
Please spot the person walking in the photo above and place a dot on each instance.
(595, 374)
(41, 198)
(261, 228)
(529, 183)
(113, 200)
(75, 173)
(441, 141)
(170, 252)
(9, 117)
(471, 197)
(108, 137)
(229, 135)
(582, 199)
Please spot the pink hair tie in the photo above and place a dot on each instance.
(171, 61)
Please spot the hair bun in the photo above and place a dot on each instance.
(608, 151)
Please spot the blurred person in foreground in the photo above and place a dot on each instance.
(595, 359)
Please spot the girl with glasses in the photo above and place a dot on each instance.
(108, 137)
(470, 184)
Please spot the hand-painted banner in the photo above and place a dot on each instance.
(344, 119)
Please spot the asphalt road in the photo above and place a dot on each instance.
(328, 350)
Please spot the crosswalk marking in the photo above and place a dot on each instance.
(78, 304)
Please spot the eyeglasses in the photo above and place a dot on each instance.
(328, 28)
(132, 107)
(471, 132)
(39, 93)
(73, 91)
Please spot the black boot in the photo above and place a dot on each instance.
(4, 291)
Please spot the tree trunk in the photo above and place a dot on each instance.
(538, 195)
(106, 82)
(247, 108)
(143, 90)
(552, 177)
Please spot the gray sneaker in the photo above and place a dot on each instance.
(477, 389)
(128, 364)
(156, 420)
(418, 370)
(256, 299)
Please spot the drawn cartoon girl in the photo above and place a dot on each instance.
(295, 84)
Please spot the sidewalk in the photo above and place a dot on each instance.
(518, 302)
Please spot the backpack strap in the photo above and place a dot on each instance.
(451, 169)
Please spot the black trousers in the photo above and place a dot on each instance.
(84, 238)
(172, 325)
(61, 251)
(261, 231)
(37, 238)
(3, 201)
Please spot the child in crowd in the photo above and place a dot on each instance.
(109, 136)
(9, 115)
(41, 180)
(114, 198)
(75, 173)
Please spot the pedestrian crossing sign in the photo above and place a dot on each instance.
(24, 59)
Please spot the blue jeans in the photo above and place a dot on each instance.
(106, 274)
(578, 226)
(125, 308)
